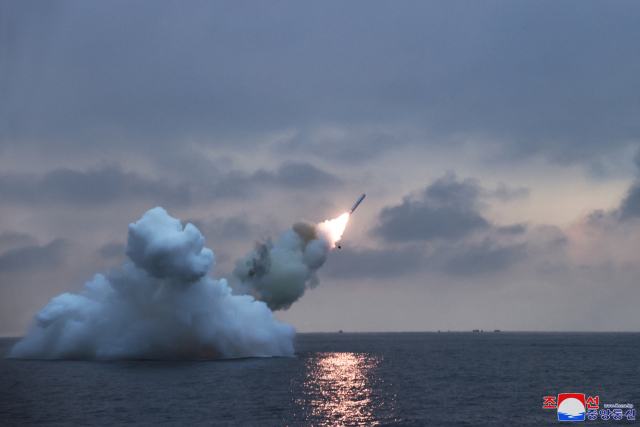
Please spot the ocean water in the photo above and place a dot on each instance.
(350, 379)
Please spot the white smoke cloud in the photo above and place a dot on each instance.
(162, 305)
(174, 253)
(279, 273)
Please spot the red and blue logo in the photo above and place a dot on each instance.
(571, 407)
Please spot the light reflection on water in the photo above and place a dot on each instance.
(340, 389)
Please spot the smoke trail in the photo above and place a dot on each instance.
(161, 305)
(279, 273)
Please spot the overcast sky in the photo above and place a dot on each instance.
(497, 143)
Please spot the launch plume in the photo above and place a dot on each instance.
(162, 305)
(279, 273)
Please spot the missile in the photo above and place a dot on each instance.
(353, 208)
(355, 205)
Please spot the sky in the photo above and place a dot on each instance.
(497, 142)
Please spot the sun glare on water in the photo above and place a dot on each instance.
(334, 228)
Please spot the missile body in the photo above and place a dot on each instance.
(355, 205)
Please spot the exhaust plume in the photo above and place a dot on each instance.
(279, 273)
(162, 305)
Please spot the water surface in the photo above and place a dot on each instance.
(377, 379)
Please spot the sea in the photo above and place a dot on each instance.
(336, 379)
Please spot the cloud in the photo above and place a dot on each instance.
(630, 205)
(11, 239)
(297, 176)
(345, 144)
(487, 257)
(506, 193)
(449, 234)
(446, 209)
(513, 229)
(234, 227)
(49, 257)
(98, 187)
(111, 250)
(353, 263)
(379, 94)
(93, 187)
(235, 184)
(212, 69)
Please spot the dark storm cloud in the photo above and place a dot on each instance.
(50, 256)
(446, 209)
(350, 263)
(558, 78)
(487, 257)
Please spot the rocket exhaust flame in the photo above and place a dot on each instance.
(279, 273)
(337, 228)
(334, 228)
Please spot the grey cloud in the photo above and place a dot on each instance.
(506, 193)
(630, 205)
(290, 176)
(96, 187)
(233, 227)
(298, 176)
(448, 192)
(597, 217)
(515, 229)
(349, 263)
(463, 259)
(636, 159)
(232, 185)
(446, 209)
(50, 256)
(551, 237)
(556, 78)
(487, 257)
(351, 145)
(10, 239)
(91, 187)
(112, 250)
